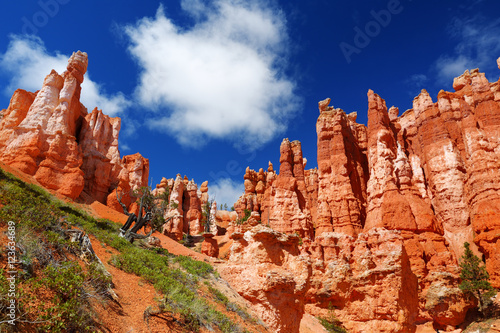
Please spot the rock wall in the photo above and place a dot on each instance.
(280, 200)
(383, 219)
(266, 268)
(185, 207)
(49, 134)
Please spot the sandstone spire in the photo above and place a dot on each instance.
(50, 135)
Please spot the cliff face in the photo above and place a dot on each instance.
(383, 218)
(49, 134)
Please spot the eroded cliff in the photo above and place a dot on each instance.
(383, 219)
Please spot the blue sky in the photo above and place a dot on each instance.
(207, 88)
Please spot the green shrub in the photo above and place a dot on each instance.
(331, 323)
(66, 278)
(247, 212)
(198, 268)
(70, 311)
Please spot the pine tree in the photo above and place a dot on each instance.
(474, 277)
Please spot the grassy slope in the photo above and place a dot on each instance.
(57, 291)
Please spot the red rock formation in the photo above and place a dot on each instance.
(255, 198)
(174, 228)
(209, 246)
(133, 175)
(281, 201)
(49, 134)
(265, 267)
(369, 279)
(15, 113)
(223, 218)
(269, 270)
(185, 206)
(402, 196)
(101, 162)
(286, 204)
(342, 172)
(192, 207)
(393, 201)
(42, 141)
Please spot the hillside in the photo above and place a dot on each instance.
(111, 286)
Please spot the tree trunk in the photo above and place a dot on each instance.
(480, 299)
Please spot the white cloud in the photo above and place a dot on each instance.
(28, 62)
(124, 146)
(415, 83)
(225, 191)
(478, 47)
(220, 78)
(93, 96)
(418, 79)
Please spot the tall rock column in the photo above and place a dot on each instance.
(287, 203)
(174, 228)
(101, 157)
(477, 103)
(192, 209)
(445, 172)
(133, 175)
(342, 173)
(44, 143)
(393, 201)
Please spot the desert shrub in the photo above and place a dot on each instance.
(331, 323)
(247, 212)
(98, 282)
(69, 310)
(198, 268)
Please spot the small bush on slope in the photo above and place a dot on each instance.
(331, 323)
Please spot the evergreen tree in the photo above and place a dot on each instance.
(475, 277)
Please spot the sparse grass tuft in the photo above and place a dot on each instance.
(331, 323)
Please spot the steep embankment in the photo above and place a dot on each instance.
(63, 284)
